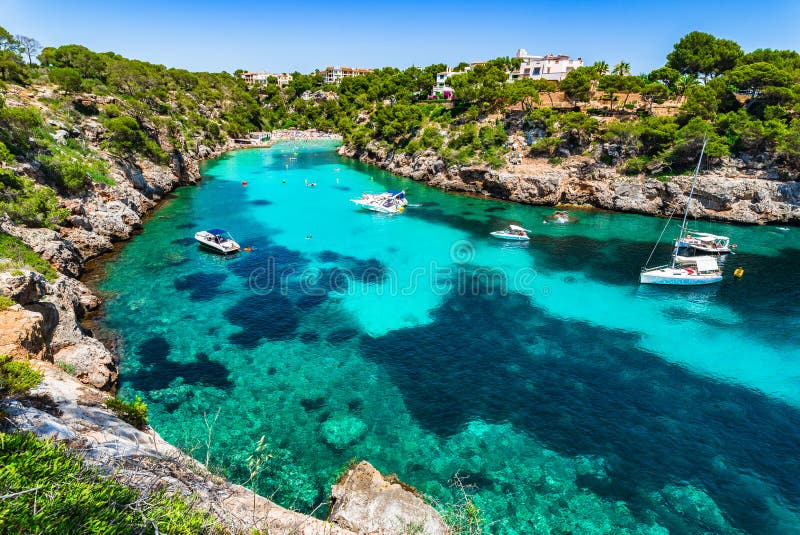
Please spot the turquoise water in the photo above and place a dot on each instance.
(569, 397)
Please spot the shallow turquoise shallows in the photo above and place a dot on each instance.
(567, 396)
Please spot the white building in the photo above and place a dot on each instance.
(334, 75)
(254, 77)
(441, 89)
(548, 67)
(262, 78)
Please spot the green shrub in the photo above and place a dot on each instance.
(18, 254)
(5, 302)
(635, 166)
(17, 126)
(17, 377)
(72, 498)
(5, 154)
(67, 367)
(28, 204)
(71, 167)
(126, 135)
(134, 412)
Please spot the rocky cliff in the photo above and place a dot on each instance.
(729, 193)
(80, 372)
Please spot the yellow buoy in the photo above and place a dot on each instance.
(401, 209)
(738, 272)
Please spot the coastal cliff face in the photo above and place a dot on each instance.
(727, 194)
(80, 372)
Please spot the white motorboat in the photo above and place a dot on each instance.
(707, 243)
(683, 270)
(217, 239)
(512, 232)
(390, 202)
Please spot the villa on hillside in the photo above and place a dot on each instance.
(548, 67)
(441, 89)
(334, 75)
(262, 78)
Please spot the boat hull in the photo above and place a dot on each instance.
(378, 207)
(678, 277)
(224, 248)
(510, 237)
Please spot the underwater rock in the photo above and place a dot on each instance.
(341, 432)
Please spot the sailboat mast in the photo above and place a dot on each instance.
(689, 202)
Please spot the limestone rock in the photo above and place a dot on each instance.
(49, 244)
(26, 288)
(365, 501)
(21, 333)
(88, 244)
(93, 364)
(747, 195)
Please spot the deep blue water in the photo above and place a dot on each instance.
(572, 398)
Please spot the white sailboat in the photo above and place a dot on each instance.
(683, 271)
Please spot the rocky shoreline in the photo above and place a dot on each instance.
(80, 372)
(733, 193)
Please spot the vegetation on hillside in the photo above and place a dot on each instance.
(15, 254)
(47, 489)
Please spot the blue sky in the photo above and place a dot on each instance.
(287, 36)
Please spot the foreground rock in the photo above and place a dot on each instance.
(725, 195)
(69, 411)
(367, 502)
(21, 334)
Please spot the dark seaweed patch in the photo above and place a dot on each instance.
(183, 241)
(309, 337)
(313, 404)
(341, 335)
(202, 286)
(159, 371)
(271, 316)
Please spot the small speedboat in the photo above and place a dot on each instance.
(217, 239)
(782, 229)
(512, 232)
(390, 202)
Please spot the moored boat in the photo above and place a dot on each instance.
(218, 240)
(390, 202)
(512, 232)
(683, 271)
(707, 243)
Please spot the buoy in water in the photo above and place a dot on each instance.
(738, 272)
(244, 182)
(248, 249)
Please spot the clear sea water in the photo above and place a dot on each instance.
(569, 397)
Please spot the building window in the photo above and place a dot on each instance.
(537, 71)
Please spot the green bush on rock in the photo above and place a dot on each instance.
(48, 490)
(134, 412)
(17, 377)
(14, 253)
